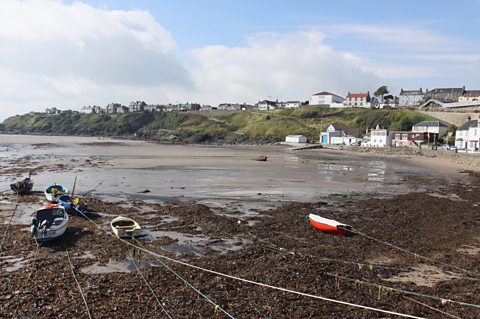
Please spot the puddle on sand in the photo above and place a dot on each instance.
(14, 263)
(469, 250)
(196, 244)
(23, 213)
(87, 254)
(111, 267)
(423, 275)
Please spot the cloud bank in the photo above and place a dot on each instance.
(70, 55)
(53, 54)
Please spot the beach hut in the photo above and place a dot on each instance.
(295, 139)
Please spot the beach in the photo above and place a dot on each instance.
(226, 233)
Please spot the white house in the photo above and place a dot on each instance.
(266, 105)
(327, 98)
(339, 134)
(358, 100)
(87, 110)
(292, 104)
(380, 137)
(470, 96)
(467, 136)
(295, 139)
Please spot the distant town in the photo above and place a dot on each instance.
(466, 136)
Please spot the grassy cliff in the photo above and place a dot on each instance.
(242, 126)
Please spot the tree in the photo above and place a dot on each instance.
(381, 91)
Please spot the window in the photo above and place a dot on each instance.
(404, 136)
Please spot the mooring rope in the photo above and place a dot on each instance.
(432, 308)
(465, 271)
(164, 309)
(258, 283)
(5, 233)
(32, 269)
(78, 284)
(403, 292)
(217, 307)
(360, 265)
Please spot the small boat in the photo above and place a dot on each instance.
(330, 226)
(124, 227)
(53, 191)
(72, 204)
(49, 222)
(23, 186)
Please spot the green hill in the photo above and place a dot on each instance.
(242, 126)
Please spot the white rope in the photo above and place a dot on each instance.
(78, 284)
(259, 283)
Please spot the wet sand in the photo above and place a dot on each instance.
(218, 208)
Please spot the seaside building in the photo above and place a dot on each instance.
(433, 129)
(407, 138)
(410, 98)
(295, 139)
(292, 104)
(154, 108)
(358, 100)
(327, 98)
(447, 95)
(467, 136)
(339, 134)
(266, 105)
(380, 137)
(112, 108)
(136, 106)
(470, 96)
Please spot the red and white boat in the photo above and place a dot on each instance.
(330, 226)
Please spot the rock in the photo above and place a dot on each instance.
(261, 158)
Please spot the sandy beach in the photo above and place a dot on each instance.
(416, 250)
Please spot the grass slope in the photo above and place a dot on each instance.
(251, 125)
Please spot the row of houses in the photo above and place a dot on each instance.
(423, 132)
(139, 106)
(406, 98)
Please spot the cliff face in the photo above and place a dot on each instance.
(192, 127)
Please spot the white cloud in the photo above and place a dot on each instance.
(288, 66)
(52, 53)
(70, 55)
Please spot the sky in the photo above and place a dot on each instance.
(70, 54)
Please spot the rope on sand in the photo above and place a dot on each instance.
(257, 283)
(151, 290)
(360, 265)
(432, 308)
(464, 271)
(32, 269)
(9, 223)
(217, 307)
(403, 292)
(78, 284)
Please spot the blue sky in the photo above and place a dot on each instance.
(70, 54)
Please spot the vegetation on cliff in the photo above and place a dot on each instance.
(242, 126)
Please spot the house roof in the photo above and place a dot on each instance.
(431, 123)
(347, 130)
(353, 95)
(326, 93)
(465, 126)
(447, 90)
(473, 93)
(411, 92)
